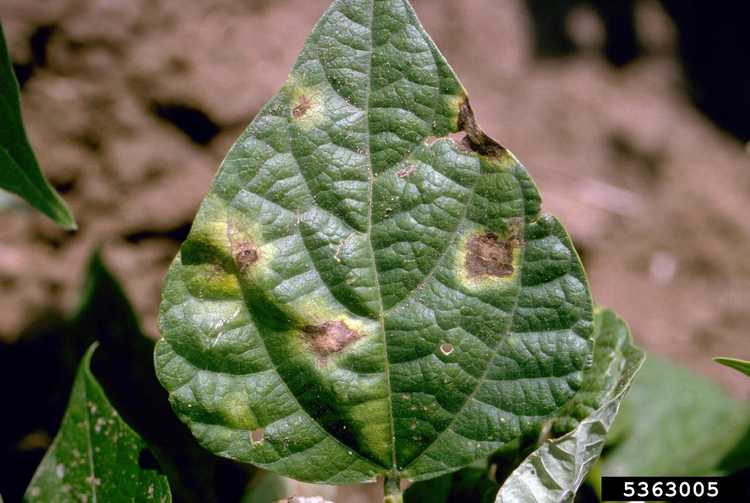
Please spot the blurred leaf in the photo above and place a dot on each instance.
(19, 171)
(267, 487)
(124, 364)
(735, 363)
(674, 422)
(554, 472)
(96, 456)
(36, 373)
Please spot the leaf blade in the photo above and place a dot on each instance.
(328, 262)
(734, 363)
(95, 455)
(19, 171)
(555, 471)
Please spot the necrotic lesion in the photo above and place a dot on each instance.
(488, 255)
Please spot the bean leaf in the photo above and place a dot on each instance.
(735, 363)
(96, 456)
(370, 286)
(554, 472)
(19, 171)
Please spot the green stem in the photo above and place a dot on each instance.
(392, 489)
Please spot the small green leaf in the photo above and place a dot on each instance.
(554, 472)
(124, 366)
(19, 171)
(674, 423)
(96, 456)
(370, 286)
(735, 363)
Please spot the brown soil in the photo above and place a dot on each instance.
(653, 194)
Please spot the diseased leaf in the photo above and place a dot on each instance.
(554, 472)
(19, 171)
(735, 363)
(675, 423)
(96, 456)
(369, 286)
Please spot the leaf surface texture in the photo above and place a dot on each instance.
(369, 286)
(554, 472)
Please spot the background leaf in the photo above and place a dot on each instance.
(19, 171)
(362, 292)
(554, 472)
(96, 456)
(473, 483)
(674, 422)
(735, 363)
(123, 364)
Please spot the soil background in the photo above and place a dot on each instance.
(131, 105)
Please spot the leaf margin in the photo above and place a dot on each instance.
(28, 182)
(520, 486)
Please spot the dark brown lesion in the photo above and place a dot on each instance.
(245, 254)
(476, 140)
(489, 255)
(302, 106)
(330, 337)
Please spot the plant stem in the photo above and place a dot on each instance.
(392, 489)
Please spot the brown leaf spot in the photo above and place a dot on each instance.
(303, 105)
(245, 254)
(330, 337)
(487, 255)
(446, 348)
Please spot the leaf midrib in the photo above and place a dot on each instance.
(376, 274)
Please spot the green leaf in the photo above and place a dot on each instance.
(96, 456)
(735, 363)
(674, 423)
(370, 287)
(554, 472)
(124, 366)
(19, 171)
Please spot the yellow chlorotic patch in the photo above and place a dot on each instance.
(454, 103)
(211, 281)
(306, 106)
(374, 427)
(235, 410)
(317, 308)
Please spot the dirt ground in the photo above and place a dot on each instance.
(131, 106)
